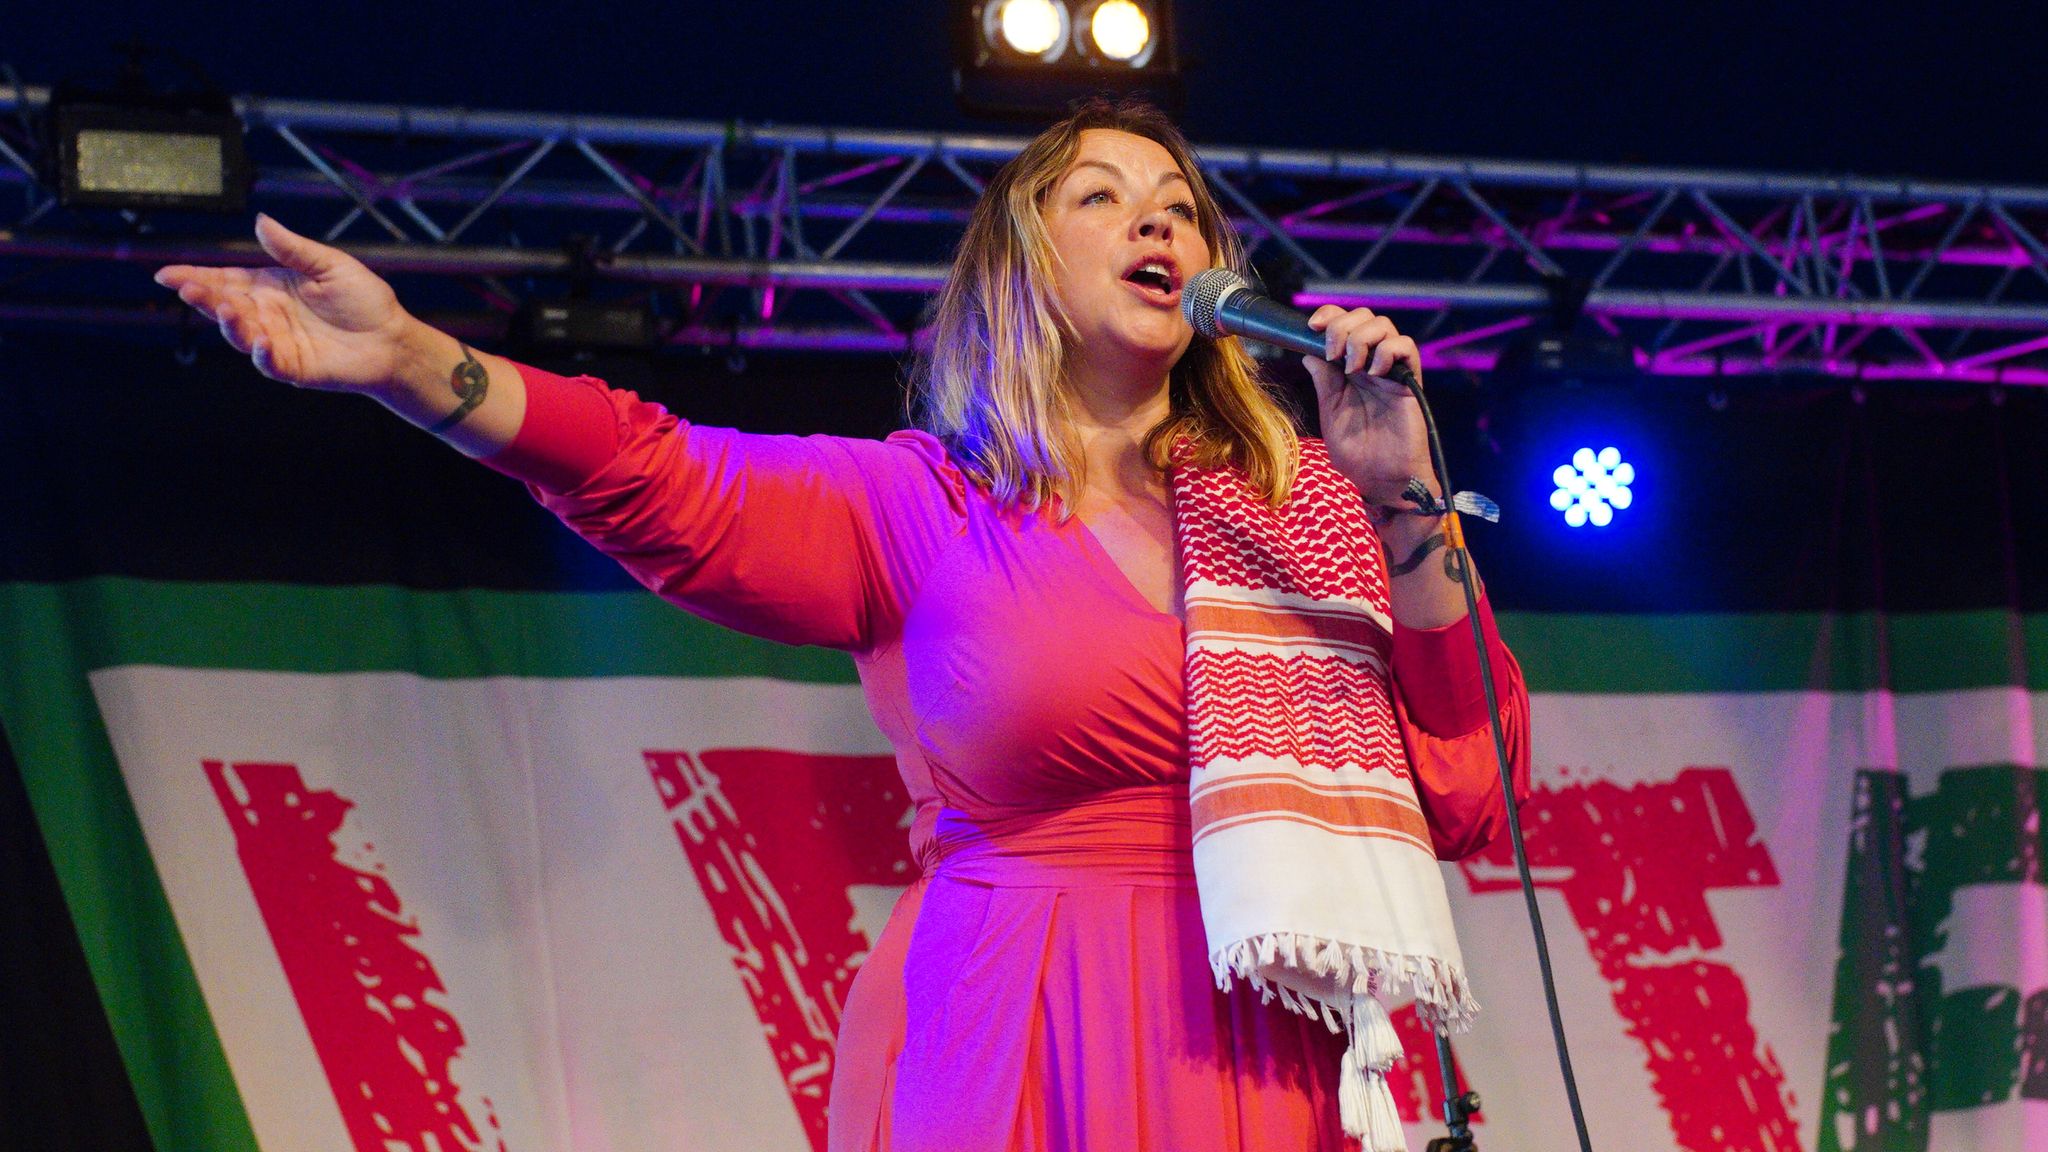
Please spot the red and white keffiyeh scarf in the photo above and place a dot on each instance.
(1317, 876)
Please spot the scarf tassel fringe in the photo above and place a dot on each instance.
(1365, 1100)
(1443, 997)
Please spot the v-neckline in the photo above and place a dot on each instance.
(1122, 579)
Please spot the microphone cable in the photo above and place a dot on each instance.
(1454, 534)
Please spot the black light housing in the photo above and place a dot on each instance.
(583, 326)
(140, 152)
(1567, 351)
(993, 76)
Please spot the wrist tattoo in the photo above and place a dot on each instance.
(1420, 554)
(469, 381)
(1454, 566)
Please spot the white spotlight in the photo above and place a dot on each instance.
(1031, 27)
(1120, 29)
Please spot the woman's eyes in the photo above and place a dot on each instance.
(1105, 196)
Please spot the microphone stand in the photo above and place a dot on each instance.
(1458, 1106)
(1456, 1109)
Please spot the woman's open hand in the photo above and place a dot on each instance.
(1372, 425)
(319, 319)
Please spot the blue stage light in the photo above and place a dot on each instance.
(1593, 487)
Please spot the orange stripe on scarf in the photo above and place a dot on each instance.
(1320, 826)
(1329, 788)
(1288, 624)
(1342, 811)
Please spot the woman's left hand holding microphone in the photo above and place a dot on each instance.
(1371, 423)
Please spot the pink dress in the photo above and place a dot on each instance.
(1045, 983)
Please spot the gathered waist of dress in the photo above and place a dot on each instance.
(1131, 837)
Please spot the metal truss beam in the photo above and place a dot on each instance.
(805, 237)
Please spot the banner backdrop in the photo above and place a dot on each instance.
(367, 868)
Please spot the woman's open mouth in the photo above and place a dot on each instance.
(1155, 279)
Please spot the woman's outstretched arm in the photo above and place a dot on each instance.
(816, 540)
(321, 319)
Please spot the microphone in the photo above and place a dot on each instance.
(1218, 302)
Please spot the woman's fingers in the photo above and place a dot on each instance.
(1348, 336)
(200, 299)
(205, 288)
(308, 258)
(1322, 318)
(247, 323)
(177, 276)
(1353, 335)
(1364, 341)
(265, 357)
(1395, 349)
(1328, 380)
(1336, 325)
(229, 320)
(238, 325)
(261, 312)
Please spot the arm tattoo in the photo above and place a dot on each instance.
(469, 381)
(1454, 564)
(1420, 554)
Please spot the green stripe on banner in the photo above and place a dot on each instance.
(441, 635)
(117, 902)
(1779, 651)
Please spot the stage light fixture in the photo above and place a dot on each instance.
(140, 152)
(1120, 30)
(1593, 487)
(582, 326)
(1033, 58)
(1037, 28)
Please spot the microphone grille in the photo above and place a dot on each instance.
(1200, 295)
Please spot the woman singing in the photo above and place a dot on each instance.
(1183, 699)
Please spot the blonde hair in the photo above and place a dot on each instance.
(991, 385)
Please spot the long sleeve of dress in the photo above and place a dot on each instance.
(1441, 706)
(804, 540)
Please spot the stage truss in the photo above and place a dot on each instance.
(762, 236)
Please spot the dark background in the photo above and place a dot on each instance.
(1765, 495)
(1875, 88)
(1759, 495)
